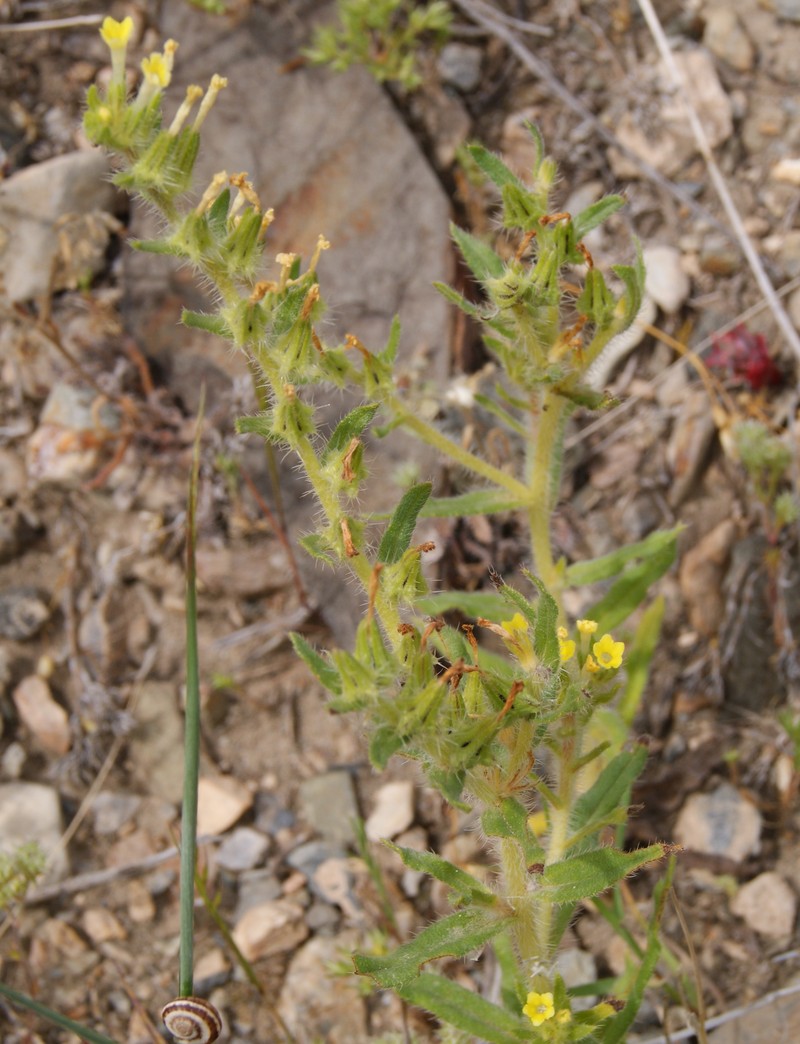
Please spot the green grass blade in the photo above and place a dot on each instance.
(21, 1000)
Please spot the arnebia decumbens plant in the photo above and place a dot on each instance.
(536, 741)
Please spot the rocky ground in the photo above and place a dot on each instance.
(98, 391)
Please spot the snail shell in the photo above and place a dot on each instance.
(192, 1020)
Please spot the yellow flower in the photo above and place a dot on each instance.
(586, 626)
(591, 664)
(116, 34)
(516, 639)
(539, 1007)
(608, 652)
(562, 633)
(564, 1016)
(156, 71)
(566, 649)
(516, 623)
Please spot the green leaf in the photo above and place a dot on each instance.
(321, 668)
(464, 884)
(349, 427)
(467, 1011)
(581, 574)
(596, 214)
(615, 1030)
(316, 546)
(611, 788)
(630, 590)
(456, 935)
(590, 873)
(261, 424)
(213, 324)
(398, 533)
(218, 213)
(482, 261)
(501, 414)
(384, 742)
(493, 167)
(478, 502)
(454, 297)
(545, 639)
(510, 819)
(156, 246)
(639, 655)
(470, 603)
(389, 353)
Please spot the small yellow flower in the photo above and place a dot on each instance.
(608, 652)
(516, 639)
(591, 664)
(586, 626)
(539, 1007)
(116, 34)
(564, 1016)
(537, 822)
(562, 633)
(156, 71)
(516, 623)
(566, 649)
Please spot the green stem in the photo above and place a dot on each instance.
(191, 768)
(57, 1019)
(429, 434)
(546, 425)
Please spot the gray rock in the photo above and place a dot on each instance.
(721, 823)
(328, 805)
(393, 812)
(275, 926)
(155, 747)
(459, 66)
(725, 37)
(243, 849)
(256, 887)
(12, 474)
(31, 203)
(23, 613)
(308, 857)
(112, 811)
(665, 280)
(788, 9)
(310, 1008)
(768, 905)
(577, 967)
(32, 812)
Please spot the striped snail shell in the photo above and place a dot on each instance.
(192, 1020)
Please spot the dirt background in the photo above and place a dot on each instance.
(98, 391)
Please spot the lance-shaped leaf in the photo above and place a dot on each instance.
(472, 603)
(510, 819)
(493, 167)
(481, 259)
(630, 590)
(384, 742)
(398, 533)
(321, 668)
(349, 427)
(457, 935)
(590, 873)
(610, 789)
(390, 351)
(596, 214)
(454, 297)
(465, 885)
(583, 573)
(545, 639)
(479, 502)
(467, 1011)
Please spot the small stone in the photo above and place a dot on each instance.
(112, 812)
(310, 1008)
(689, 444)
(459, 66)
(32, 812)
(272, 927)
(788, 9)
(32, 202)
(220, 803)
(577, 967)
(767, 904)
(65, 447)
(393, 812)
(12, 475)
(101, 925)
(141, 906)
(334, 881)
(721, 823)
(328, 805)
(245, 572)
(787, 169)
(155, 746)
(718, 256)
(244, 849)
(23, 613)
(725, 37)
(665, 280)
(256, 887)
(700, 576)
(12, 761)
(39, 712)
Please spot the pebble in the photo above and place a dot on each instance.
(308, 1005)
(42, 716)
(788, 9)
(393, 812)
(12, 474)
(245, 572)
(140, 903)
(23, 613)
(244, 849)
(65, 448)
(220, 803)
(31, 202)
(111, 812)
(334, 881)
(269, 928)
(459, 66)
(725, 37)
(787, 169)
(700, 575)
(721, 823)
(32, 812)
(767, 904)
(689, 444)
(665, 280)
(155, 746)
(577, 967)
(254, 888)
(328, 805)
(12, 761)
(101, 925)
